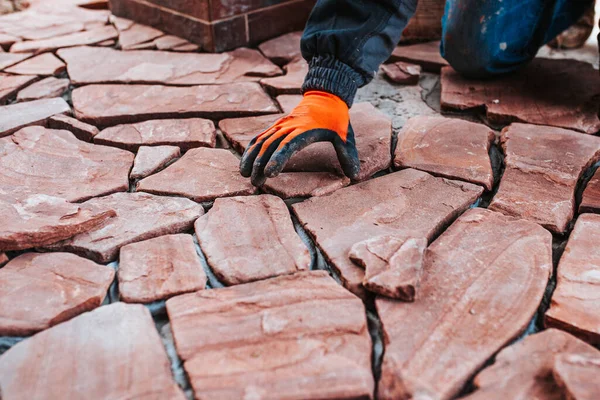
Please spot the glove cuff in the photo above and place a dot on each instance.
(329, 75)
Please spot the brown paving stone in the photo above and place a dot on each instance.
(543, 166)
(81, 130)
(275, 339)
(44, 64)
(408, 203)
(575, 305)
(571, 101)
(577, 376)
(393, 266)
(240, 131)
(53, 31)
(150, 159)
(449, 147)
(9, 59)
(401, 72)
(140, 216)
(122, 24)
(11, 84)
(288, 102)
(74, 39)
(58, 287)
(137, 34)
(289, 185)
(116, 349)
(158, 268)
(16, 116)
(250, 238)
(104, 65)
(47, 88)
(291, 82)
(427, 55)
(590, 201)
(114, 104)
(524, 370)
(282, 49)
(458, 320)
(202, 175)
(185, 133)
(36, 160)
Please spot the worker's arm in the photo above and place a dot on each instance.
(344, 43)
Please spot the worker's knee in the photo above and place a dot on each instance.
(474, 58)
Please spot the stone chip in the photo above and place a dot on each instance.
(150, 159)
(16, 116)
(48, 88)
(44, 64)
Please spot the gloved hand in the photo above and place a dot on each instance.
(319, 117)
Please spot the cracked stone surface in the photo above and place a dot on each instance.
(16, 116)
(81, 130)
(137, 34)
(291, 82)
(44, 64)
(11, 84)
(8, 59)
(575, 305)
(403, 73)
(140, 216)
(59, 286)
(524, 369)
(173, 43)
(158, 268)
(105, 65)
(407, 203)
(437, 343)
(202, 175)
(73, 39)
(106, 345)
(250, 238)
(119, 104)
(279, 338)
(150, 159)
(289, 185)
(427, 55)
(447, 147)
(590, 201)
(185, 133)
(577, 375)
(543, 166)
(283, 49)
(571, 102)
(45, 89)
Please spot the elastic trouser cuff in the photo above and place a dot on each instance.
(332, 76)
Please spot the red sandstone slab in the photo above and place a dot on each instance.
(449, 147)
(408, 203)
(105, 65)
(122, 24)
(275, 339)
(8, 59)
(44, 64)
(571, 101)
(58, 287)
(577, 376)
(150, 159)
(16, 116)
(137, 34)
(11, 84)
(170, 42)
(427, 55)
(575, 305)
(117, 351)
(590, 201)
(158, 268)
(458, 320)
(51, 31)
(36, 160)
(185, 133)
(74, 39)
(403, 73)
(190, 47)
(117, 104)
(291, 82)
(250, 238)
(202, 175)
(543, 166)
(81, 130)
(48, 88)
(288, 102)
(140, 216)
(282, 49)
(289, 185)
(240, 131)
(524, 370)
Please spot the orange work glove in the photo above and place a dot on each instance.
(320, 117)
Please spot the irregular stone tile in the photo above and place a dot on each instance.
(74, 39)
(250, 238)
(39, 220)
(44, 64)
(59, 286)
(282, 49)
(571, 101)
(449, 147)
(184, 133)
(158, 268)
(7, 40)
(202, 175)
(169, 42)
(427, 55)
(11, 84)
(240, 131)
(37, 160)
(81, 130)
(291, 82)
(401, 72)
(16, 116)
(136, 34)
(590, 201)
(186, 47)
(3, 259)
(575, 305)
(122, 24)
(458, 321)
(543, 166)
(140, 216)
(142, 46)
(150, 159)
(9, 59)
(524, 369)
(44, 89)
(275, 339)
(577, 376)
(392, 266)
(114, 104)
(407, 203)
(107, 43)
(288, 102)
(53, 31)
(289, 185)
(105, 65)
(117, 351)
